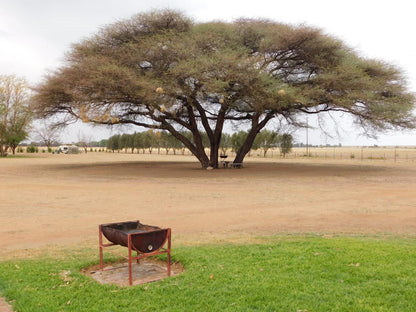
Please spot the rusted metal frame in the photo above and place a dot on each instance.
(169, 249)
(145, 255)
(129, 243)
(100, 238)
(139, 254)
(116, 253)
(102, 246)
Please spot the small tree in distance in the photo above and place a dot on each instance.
(237, 140)
(225, 143)
(286, 144)
(47, 135)
(15, 112)
(113, 143)
(266, 139)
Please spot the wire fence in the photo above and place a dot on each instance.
(336, 153)
(344, 153)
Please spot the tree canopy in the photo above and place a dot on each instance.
(161, 70)
(15, 113)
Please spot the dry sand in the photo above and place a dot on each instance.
(61, 199)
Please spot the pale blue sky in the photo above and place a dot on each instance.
(34, 36)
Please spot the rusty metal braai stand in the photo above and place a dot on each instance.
(145, 240)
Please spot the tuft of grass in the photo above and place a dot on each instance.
(283, 274)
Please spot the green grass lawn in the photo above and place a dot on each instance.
(285, 273)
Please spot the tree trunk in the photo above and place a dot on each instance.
(213, 161)
(202, 157)
(196, 149)
(2, 149)
(215, 138)
(256, 127)
(245, 148)
(199, 150)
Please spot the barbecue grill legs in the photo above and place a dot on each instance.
(169, 245)
(100, 239)
(138, 255)
(130, 273)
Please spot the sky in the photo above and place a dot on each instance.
(35, 35)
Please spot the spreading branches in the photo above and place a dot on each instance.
(162, 71)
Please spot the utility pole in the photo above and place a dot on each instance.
(307, 137)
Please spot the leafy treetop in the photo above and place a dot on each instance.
(160, 70)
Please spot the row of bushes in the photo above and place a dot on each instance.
(33, 149)
(150, 140)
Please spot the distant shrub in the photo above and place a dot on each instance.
(32, 149)
(20, 149)
(352, 156)
(49, 149)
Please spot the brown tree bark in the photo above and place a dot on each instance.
(256, 126)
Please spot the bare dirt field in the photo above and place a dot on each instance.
(59, 200)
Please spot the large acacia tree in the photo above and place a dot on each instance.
(162, 71)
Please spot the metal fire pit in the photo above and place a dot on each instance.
(146, 240)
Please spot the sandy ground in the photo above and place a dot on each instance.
(147, 271)
(61, 199)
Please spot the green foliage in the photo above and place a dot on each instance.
(225, 143)
(15, 114)
(146, 140)
(205, 139)
(286, 144)
(15, 133)
(282, 274)
(174, 74)
(138, 140)
(32, 149)
(162, 139)
(237, 140)
(265, 140)
(169, 142)
(113, 143)
(124, 141)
